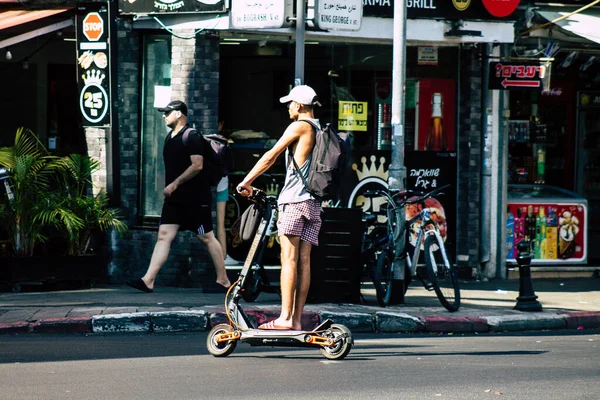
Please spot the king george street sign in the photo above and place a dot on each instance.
(338, 14)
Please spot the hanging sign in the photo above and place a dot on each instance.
(445, 9)
(501, 8)
(171, 6)
(260, 14)
(532, 75)
(93, 64)
(352, 115)
(338, 14)
(427, 55)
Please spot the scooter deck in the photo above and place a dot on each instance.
(290, 332)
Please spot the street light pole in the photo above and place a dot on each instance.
(397, 172)
(300, 28)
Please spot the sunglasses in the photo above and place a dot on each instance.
(167, 113)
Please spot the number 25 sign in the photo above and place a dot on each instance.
(93, 100)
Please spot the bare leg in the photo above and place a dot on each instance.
(216, 254)
(302, 284)
(289, 280)
(221, 226)
(166, 234)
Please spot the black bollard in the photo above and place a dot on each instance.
(527, 300)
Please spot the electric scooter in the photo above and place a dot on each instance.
(333, 340)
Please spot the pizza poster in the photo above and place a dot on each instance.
(554, 232)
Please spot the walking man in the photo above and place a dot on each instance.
(188, 199)
(299, 217)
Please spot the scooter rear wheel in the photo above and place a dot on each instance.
(340, 349)
(222, 349)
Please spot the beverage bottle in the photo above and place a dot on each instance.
(530, 228)
(540, 235)
(519, 227)
(436, 139)
(541, 166)
(551, 235)
(510, 235)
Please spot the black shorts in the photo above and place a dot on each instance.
(190, 217)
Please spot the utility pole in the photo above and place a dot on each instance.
(300, 29)
(397, 172)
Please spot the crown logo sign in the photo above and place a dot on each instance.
(372, 170)
(272, 189)
(93, 76)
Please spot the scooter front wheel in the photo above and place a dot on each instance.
(342, 347)
(220, 349)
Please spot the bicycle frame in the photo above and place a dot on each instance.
(425, 221)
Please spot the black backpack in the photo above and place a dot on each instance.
(218, 159)
(330, 158)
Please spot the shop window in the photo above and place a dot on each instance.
(156, 84)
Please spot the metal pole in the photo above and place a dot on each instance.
(300, 28)
(397, 172)
(486, 164)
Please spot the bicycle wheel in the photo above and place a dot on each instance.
(441, 274)
(382, 278)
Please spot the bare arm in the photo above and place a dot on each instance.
(189, 173)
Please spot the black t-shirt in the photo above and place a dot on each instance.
(177, 160)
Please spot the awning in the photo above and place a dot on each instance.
(18, 17)
(9, 19)
(585, 24)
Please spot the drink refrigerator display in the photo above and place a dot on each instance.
(588, 161)
(429, 115)
(553, 220)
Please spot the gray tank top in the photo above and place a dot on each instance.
(293, 189)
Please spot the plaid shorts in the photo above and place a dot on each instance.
(300, 219)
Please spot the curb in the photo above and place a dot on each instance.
(359, 322)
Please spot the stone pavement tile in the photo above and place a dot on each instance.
(86, 311)
(14, 327)
(386, 321)
(62, 325)
(526, 322)
(356, 322)
(21, 314)
(583, 320)
(161, 309)
(119, 310)
(51, 312)
(179, 321)
(454, 324)
(121, 322)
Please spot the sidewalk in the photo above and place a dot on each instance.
(571, 303)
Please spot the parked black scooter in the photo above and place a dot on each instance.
(333, 340)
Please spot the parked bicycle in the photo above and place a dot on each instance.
(422, 231)
(375, 240)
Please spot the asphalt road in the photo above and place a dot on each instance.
(379, 367)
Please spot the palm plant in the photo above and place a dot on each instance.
(31, 172)
(92, 210)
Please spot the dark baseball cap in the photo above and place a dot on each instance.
(175, 105)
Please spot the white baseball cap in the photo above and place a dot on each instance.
(302, 94)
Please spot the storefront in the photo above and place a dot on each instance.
(244, 72)
(553, 137)
(37, 74)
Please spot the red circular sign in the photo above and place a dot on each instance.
(501, 8)
(93, 26)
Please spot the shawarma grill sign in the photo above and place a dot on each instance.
(170, 6)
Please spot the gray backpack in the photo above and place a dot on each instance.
(330, 158)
